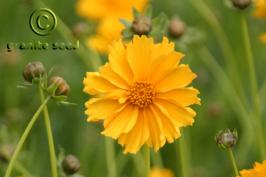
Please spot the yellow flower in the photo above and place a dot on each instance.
(263, 38)
(109, 12)
(100, 9)
(142, 94)
(260, 8)
(259, 170)
(157, 172)
(108, 31)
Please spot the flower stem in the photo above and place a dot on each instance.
(233, 161)
(49, 136)
(24, 137)
(253, 86)
(180, 146)
(147, 160)
(110, 155)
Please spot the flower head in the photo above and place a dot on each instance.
(108, 12)
(142, 94)
(226, 138)
(260, 8)
(259, 170)
(157, 172)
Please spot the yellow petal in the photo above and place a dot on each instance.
(163, 48)
(169, 129)
(139, 55)
(155, 125)
(108, 73)
(183, 116)
(121, 122)
(100, 108)
(163, 65)
(179, 78)
(94, 83)
(137, 136)
(91, 9)
(183, 96)
(99, 43)
(118, 61)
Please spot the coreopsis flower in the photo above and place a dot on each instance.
(260, 8)
(157, 172)
(108, 12)
(142, 94)
(259, 170)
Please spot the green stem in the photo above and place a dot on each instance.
(158, 159)
(147, 160)
(49, 136)
(110, 156)
(24, 137)
(253, 87)
(181, 149)
(233, 161)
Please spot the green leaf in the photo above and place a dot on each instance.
(148, 11)
(136, 13)
(125, 22)
(159, 26)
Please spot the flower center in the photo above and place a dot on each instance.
(141, 94)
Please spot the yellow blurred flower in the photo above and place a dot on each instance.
(108, 31)
(108, 12)
(142, 94)
(100, 9)
(263, 38)
(157, 172)
(260, 8)
(259, 170)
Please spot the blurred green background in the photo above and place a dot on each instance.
(75, 136)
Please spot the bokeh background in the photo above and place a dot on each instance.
(75, 136)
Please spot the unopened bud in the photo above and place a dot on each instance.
(226, 139)
(176, 28)
(214, 110)
(79, 29)
(62, 87)
(6, 152)
(71, 164)
(33, 70)
(241, 4)
(142, 25)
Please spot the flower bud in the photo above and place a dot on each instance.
(71, 164)
(176, 28)
(79, 29)
(226, 139)
(62, 88)
(241, 4)
(214, 110)
(141, 25)
(33, 70)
